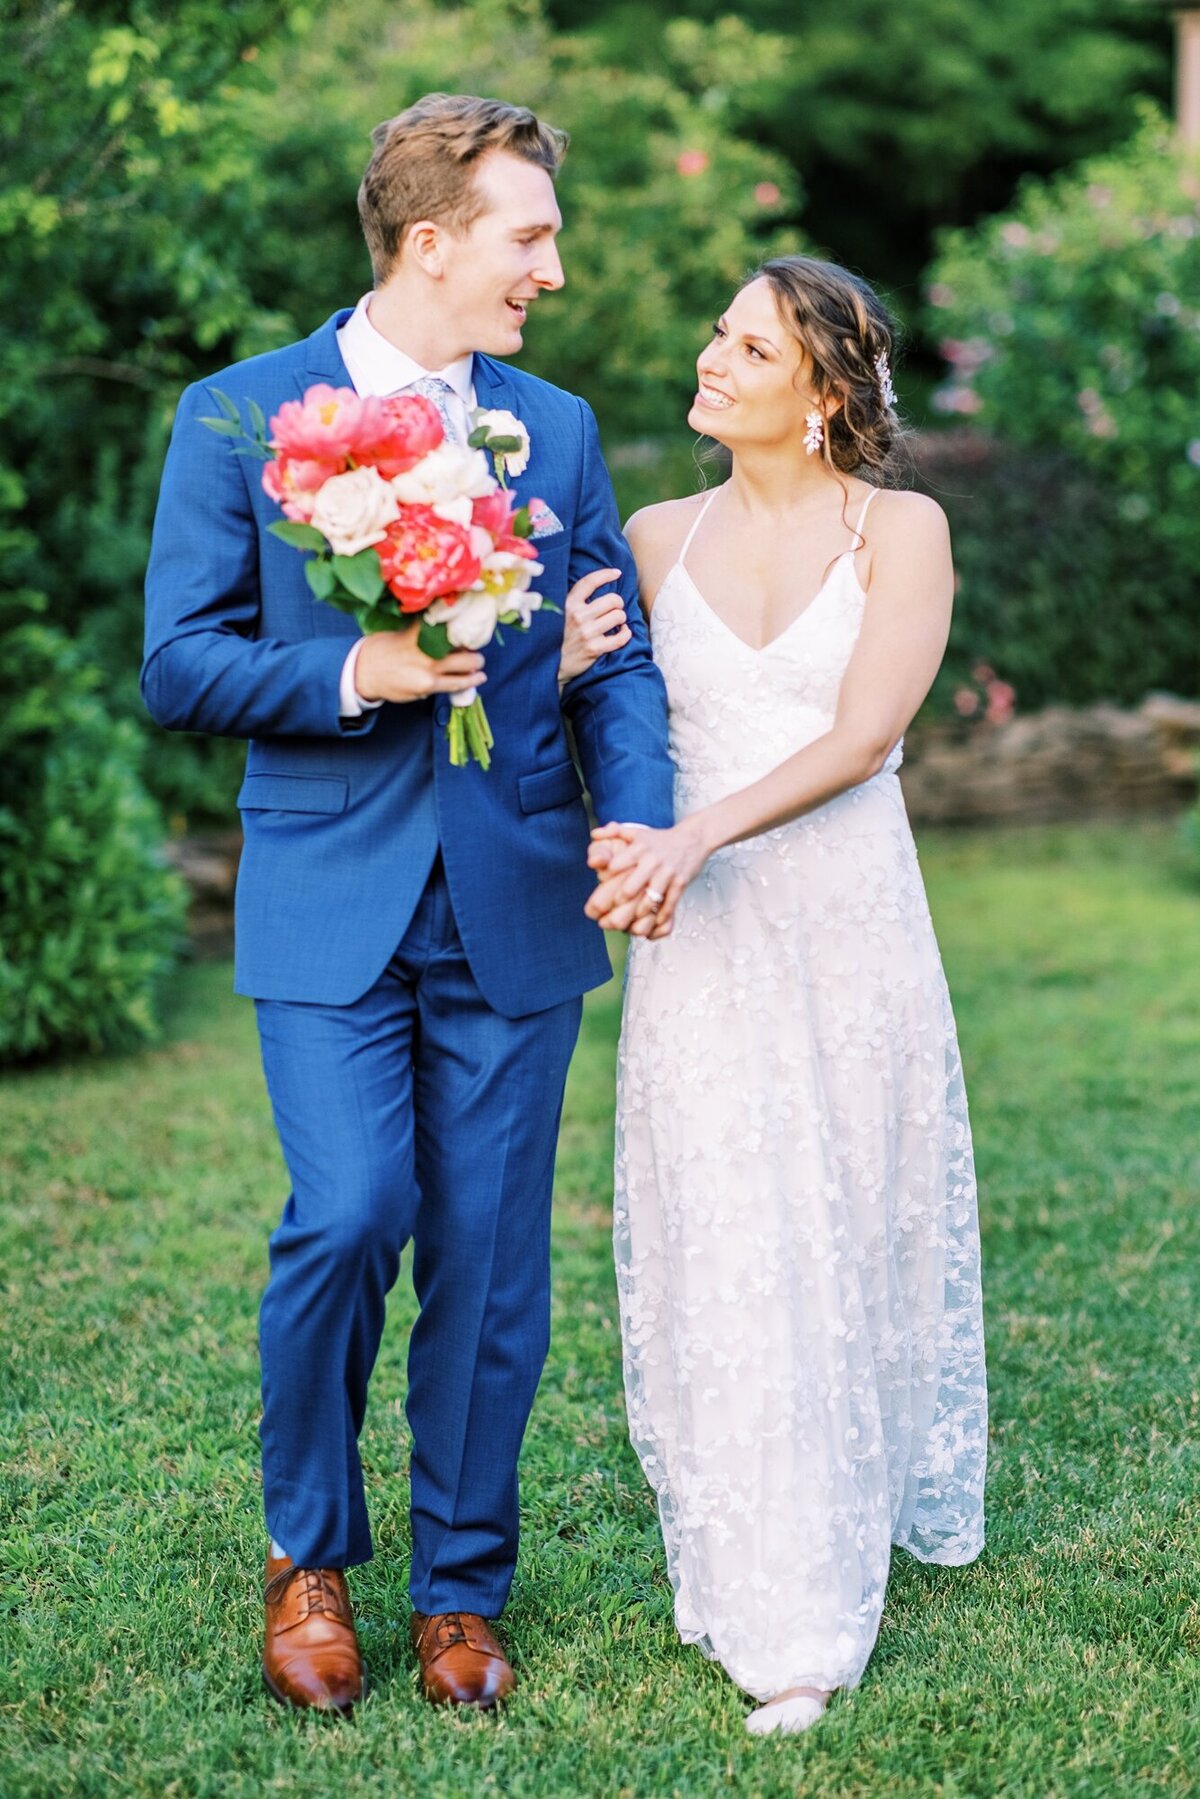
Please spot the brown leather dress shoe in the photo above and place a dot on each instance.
(310, 1657)
(461, 1661)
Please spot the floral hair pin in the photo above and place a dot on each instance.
(883, 374)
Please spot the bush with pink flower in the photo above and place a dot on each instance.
(1071, 332)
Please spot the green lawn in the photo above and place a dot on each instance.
(137, 1198)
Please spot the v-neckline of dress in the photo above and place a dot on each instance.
(761, 649)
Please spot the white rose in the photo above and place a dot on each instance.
(470, 622)
(352, 510)
(506, 424)
(456, 512)
(507, 577)
(447, 473)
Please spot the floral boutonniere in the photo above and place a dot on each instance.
(504, 438)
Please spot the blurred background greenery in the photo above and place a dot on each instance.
(178, 192)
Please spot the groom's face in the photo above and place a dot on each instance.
(494, 271)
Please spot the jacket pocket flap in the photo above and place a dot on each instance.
(293, 793)
(556, 786)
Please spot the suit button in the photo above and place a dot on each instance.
(441, 713)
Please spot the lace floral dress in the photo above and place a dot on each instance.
(796, 1235)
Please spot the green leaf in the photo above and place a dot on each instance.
(258, 423)
(298, 534)
(522, 524)
(260, 452)
(478, 438)
(434, 640)
(320, 576)
(505, 446)
(224, 427)
(360, 575)
(228, 406)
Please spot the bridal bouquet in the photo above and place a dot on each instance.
(405, 529)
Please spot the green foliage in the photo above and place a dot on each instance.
(1073, 333)
(89, 916)
(900, 118)
(651, 251)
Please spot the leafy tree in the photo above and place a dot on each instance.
(901, 118)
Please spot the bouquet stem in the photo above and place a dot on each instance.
(470, 734)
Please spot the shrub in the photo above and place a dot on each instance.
(1072, 332)
(89, 914)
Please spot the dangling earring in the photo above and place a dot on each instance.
(814, 437)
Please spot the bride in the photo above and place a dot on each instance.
(796, 1235)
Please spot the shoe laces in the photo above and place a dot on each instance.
(321, 1592)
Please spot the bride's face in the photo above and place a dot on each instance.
(752, 374)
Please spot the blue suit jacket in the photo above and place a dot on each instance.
(343, 820)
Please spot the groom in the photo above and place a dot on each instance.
(413, 934)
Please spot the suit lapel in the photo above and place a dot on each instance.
(322, 358)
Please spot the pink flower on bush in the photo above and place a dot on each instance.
(941, 295)
(966, 702)
(767, 194)
(1001, 702)
(294, 485)
(410, 426)
(691, 162)
(425, 558)
(983, 672)
(327, 425)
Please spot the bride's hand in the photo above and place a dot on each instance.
(636, 864)
(588, 620)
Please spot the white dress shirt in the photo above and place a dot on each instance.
(378, 367)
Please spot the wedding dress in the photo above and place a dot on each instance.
(796, 1235)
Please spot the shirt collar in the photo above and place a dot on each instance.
(379, 367)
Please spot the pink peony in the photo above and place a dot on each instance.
(411, 426)
(425, 558)
(328, 425)
(494, 514)
(295, 485)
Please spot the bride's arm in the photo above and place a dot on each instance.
(899, 650)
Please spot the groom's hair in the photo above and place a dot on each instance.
(423, 165)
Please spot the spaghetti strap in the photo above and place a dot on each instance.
(858, 529)
(687, 542)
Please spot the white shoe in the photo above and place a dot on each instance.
(785, 1717)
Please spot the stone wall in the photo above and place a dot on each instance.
(1062, 763)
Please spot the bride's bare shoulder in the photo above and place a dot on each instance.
(655, 534)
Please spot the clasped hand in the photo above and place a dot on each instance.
(642, 874)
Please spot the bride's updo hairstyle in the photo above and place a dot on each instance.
(844, 330)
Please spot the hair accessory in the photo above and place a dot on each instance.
(814, 437)
(883, 374)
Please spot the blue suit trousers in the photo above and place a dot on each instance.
(416, 1112)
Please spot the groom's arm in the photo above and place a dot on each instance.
(618, 706)
(205, 666)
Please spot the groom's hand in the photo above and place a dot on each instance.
(392, 666)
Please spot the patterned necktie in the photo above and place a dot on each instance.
(432, 387)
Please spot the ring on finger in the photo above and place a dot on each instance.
(655, 897)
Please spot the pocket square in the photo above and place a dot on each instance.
(547, 523)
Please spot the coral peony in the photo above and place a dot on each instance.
(327, 425)
(424, 557)
(295, 485)
(411, 427)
